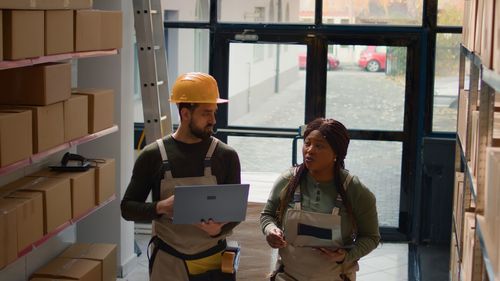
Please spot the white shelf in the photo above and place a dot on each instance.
(54, 58)
(36, 158)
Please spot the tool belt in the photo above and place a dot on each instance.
(213, 275)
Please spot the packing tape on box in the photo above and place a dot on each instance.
(85, 251)
(33, 3)
(28, 185)
(66, 3)
(66, 267)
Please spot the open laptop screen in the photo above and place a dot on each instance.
(221, 203)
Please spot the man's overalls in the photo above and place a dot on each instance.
(181, 249)
(302, 229)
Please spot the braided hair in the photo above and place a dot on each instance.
(335, 133)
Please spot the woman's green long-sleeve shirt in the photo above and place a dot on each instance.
(320, 197)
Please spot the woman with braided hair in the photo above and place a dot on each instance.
(321, 218)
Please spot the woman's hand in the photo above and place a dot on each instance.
(337, 256)
(211, 227)
(275, 238)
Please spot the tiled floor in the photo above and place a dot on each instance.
(389, 262)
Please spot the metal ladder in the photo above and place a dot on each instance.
(152, 59)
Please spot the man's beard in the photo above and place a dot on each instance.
(204, 133)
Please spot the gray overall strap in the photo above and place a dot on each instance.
(297, 196)
(338, 201)
(162, 149)
(164, 157)
(208, 157)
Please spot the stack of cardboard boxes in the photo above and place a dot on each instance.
(36, 28)
(41, 203)
(37, 110)
(84, 262)
(480, 31)
(39, 98)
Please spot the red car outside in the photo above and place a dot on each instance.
(331, 64)
(373, 58)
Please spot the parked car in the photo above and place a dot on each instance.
(373, 58)
(331, 64)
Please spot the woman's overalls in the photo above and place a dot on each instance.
(181, 249)
(302, 229)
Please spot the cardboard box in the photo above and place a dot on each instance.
(474, 145)
(56, 194)
(29, 211)
(23, 34)
(105, 182)
(478, 26)
(492, 191)
(59, 32)
(73, 269)
(8, 232)
(463, 106)
(467, 26)
(42, 84)
(101, 108)
(48, 125)
(487, 33)
(46, 4)
(98, 30)
(496, 38)
(459, 215)
(1, 35)
(454, 260)
(469, 244)
(15, 136)
(87, 30)
(76, 122)
(82, 189)
(111, 26)
(103, 253)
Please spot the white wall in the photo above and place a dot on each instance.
(114, 72)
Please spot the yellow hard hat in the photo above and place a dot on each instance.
(195, 87)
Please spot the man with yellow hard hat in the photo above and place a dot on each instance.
(190, 156)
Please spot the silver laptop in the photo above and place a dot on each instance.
(221, 203)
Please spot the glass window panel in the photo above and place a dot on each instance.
(266, 11)
(450, 12)
(376, 163)
(367, 90)
(264, 86)
(187, 50)
(262, 161)
(379, 12)
(186, 10)
(378, 166)
(446, 82)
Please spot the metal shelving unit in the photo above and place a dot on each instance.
(484, 83)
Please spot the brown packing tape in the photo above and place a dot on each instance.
(29, 184)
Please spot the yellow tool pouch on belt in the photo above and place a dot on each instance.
(204, 264)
